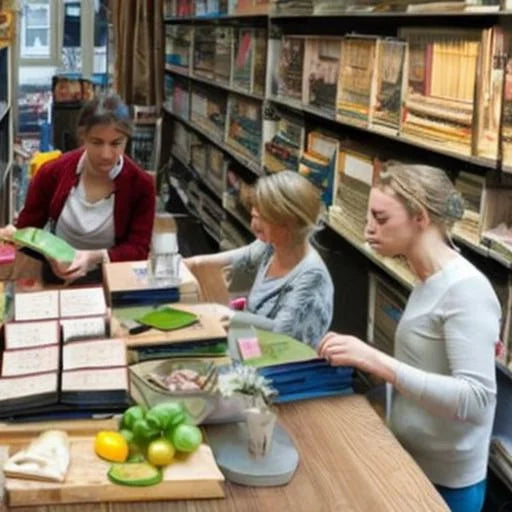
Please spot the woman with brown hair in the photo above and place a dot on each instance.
(96, 198)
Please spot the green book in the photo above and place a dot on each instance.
(168, 319)
(45, 243)
(261, 348)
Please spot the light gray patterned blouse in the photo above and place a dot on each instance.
(299, 304)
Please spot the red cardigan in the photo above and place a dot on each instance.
(134, 203)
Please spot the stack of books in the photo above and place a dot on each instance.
(57, 357)
(294, 368)
(127, 283)
(352, 191)
(204, 338)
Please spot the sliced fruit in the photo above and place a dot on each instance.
(111, 446)
(134, 474)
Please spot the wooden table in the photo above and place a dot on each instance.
(349, 461)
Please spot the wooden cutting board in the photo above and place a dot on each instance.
(188, 477)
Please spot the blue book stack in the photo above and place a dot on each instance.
(293, 367)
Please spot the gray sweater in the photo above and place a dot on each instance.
(299, 304)
(443, 413)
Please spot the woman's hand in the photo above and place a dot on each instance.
(7, 232)
(84, 262)
(226, 317)
(345, 350)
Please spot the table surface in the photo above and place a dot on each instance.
(349, 461)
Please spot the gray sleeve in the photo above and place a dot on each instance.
(245, 262)
(304, 311)
(471, 316)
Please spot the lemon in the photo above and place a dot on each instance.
(160, 452)
(111, 446)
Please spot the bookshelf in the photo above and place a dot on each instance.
(6, 134)
(307, 56)
(313, 51)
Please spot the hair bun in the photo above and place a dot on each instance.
(454, 207)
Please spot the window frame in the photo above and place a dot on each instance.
(55, 37)
(52, 59)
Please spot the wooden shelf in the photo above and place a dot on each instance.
(223, 18)
(392, 15)
(295, 105)
(208, 81)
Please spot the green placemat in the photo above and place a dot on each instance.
(46, 243)
(168, 319)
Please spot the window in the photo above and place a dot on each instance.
(70, 35)
(36, 35)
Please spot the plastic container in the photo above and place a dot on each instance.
(197, 404)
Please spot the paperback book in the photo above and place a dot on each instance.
(245, 126)
(284, 136)
(356, 85)
(178, 47)
(321, 69)
(386, 112)
(290, 68)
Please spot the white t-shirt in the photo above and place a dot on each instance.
(444, 408)
(85, 225)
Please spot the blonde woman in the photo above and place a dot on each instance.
(443, 369)
(291, 290)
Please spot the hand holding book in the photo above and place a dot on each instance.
(7, 232)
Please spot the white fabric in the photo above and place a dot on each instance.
(444, 410)
(85, 225)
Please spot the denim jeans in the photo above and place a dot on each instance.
(464, 499)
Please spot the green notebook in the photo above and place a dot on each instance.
(168, 319)
(273, 348)
(45, 243)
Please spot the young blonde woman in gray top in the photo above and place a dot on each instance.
(291, 290)
(443, 371)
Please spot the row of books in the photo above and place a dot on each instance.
(220, 174)
(233, 56)
(229, 118)
(485, 225)
(443, 86)
(57, 357)
(336, 7)
(206, 159)
(214, 8)
(343, 170)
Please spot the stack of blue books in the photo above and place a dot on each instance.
(294, 368)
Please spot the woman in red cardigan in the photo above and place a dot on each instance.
(95, 197)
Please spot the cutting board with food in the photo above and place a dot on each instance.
(145, 460)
